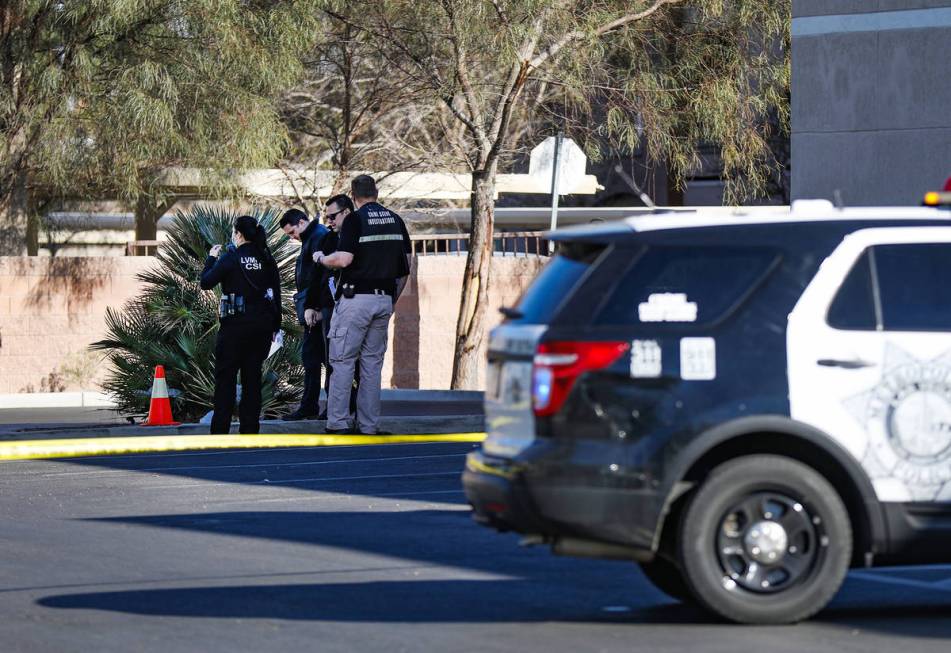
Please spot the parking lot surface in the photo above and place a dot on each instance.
(355, 549)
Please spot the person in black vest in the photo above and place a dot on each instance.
(374, 256)
(313, 353)
(250, 313)
(320, 301)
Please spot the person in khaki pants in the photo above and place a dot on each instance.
(374, 258)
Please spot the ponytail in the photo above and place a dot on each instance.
(255, 234)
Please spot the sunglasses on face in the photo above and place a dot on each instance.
(333, 216)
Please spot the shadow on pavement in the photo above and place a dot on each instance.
(450, 601)
(908, 611)
(462, 601)
(507, 584)
(493, 579)
(441, 537)
(377, 471)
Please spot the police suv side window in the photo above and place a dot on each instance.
(678, 286)
(853, 308)
(556, 281)
(915, 286)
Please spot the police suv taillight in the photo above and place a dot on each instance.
(558, 365)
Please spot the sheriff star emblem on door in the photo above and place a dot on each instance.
(907, 416)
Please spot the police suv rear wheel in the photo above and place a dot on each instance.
(765, 540)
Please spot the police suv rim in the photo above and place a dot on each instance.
(768, 542)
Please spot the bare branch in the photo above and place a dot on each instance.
(575, 35)
(462, 74)
(501, 13)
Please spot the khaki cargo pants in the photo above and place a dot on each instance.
(358, 330)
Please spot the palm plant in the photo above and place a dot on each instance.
(175, 323)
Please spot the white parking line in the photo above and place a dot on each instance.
(132, 472)
(355, 478)
(222, 578)
(323, 479)
(892, 579)
(336, 496)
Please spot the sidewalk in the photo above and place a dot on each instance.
(404, 412)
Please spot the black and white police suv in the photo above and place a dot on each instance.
(746, 405)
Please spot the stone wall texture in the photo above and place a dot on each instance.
(871, 106)
(51, 309)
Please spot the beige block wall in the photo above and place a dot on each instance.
(51, 309)
(424, 324)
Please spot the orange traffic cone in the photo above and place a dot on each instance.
(160, 408)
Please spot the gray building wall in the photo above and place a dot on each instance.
(871, 99)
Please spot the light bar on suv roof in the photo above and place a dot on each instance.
(934, 198)
(939, 198)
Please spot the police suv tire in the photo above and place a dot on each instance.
(744, 481)
(667, 577)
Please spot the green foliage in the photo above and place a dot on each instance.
(174, 323)
(672, 76)
(96, 97)
(351, 111)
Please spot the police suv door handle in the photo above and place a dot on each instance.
(853, 364)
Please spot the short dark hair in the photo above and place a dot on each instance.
(342, 201)
(293, 217)
(364, 187)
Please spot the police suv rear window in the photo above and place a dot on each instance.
(685, 285)
(556, 281)
(853, 308)
(913, 290)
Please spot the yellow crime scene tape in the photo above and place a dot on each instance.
(71, 448)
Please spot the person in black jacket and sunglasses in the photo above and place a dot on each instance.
(320, 301)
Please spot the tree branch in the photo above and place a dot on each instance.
(501, 12)
(513, 86)
(462, 74)
(574, 35)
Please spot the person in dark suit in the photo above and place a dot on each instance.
(298, 226)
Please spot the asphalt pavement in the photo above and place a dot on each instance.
(355, 549)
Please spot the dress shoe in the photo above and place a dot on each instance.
(298, 415)
(339, 431)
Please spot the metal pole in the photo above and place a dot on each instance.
(648, 202)
(555, 165)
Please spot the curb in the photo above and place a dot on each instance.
(76, 447)
(410, 425)
(56, 400)
(406, 394)
(88, 399)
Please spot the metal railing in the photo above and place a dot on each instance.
(142, 248)
(505, 243)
